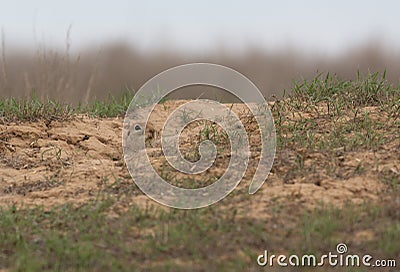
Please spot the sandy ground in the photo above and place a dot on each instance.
(52, 163)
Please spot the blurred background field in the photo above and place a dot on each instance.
(81, 52)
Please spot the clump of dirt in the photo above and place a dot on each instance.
(74, 161)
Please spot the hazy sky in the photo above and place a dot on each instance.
(326, 26)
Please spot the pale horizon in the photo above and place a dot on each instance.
(201, 27)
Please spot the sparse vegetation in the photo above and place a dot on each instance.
(328, 113)
(332, 135)
(34, 109)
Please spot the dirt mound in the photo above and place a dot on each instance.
(51, 163)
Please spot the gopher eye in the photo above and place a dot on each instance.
(137, 128)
